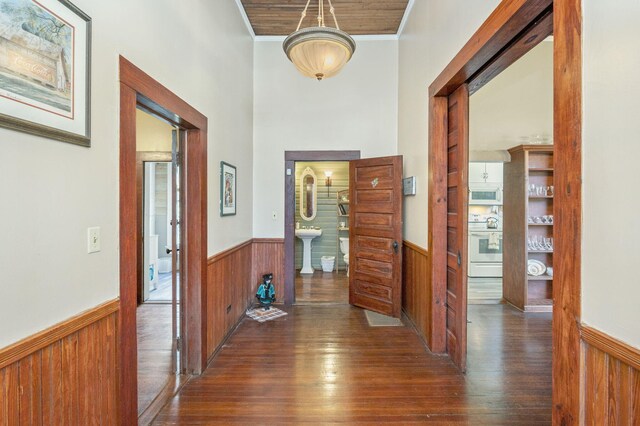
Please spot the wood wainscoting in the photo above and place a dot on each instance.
(233, 277)
(268, 257)
(66, 374)
(228, 292)
(416, 291)
(610, 380)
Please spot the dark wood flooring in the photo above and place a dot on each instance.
(154, 351)
(324, 364)
(322, 287)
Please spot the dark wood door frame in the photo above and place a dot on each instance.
(508, 33)
(141, 158)
(138, 89)
(290, 158)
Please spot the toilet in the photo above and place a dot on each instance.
(344, 248)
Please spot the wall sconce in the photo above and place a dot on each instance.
(327, 181)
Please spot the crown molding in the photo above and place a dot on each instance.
(405, 17)
(245, 18)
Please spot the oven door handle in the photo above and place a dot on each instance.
(481, 235)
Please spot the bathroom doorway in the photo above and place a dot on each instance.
(322, 212)
(317, 210)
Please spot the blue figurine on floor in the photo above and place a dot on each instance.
(266, 293)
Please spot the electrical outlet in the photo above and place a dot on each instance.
(274, 216)
(93, 239)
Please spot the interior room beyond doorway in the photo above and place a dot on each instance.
(157, 358)
(322, 231)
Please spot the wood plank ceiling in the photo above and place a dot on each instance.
(356, 17)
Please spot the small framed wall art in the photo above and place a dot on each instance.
(45, 69)
(228, 186)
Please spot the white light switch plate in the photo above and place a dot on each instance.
(93, 239)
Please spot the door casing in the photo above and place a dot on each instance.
(290, 158)
(138, 89)
(514, 28)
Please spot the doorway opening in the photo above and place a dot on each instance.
(159, 311)
(316, 202)
(373, 206)
(189, 162)
(510, 206)
(322, 232)
(512, 30)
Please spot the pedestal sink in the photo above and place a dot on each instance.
(306, 235)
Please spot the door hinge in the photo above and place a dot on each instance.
(459, 258)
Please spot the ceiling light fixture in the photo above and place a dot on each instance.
(319, 52)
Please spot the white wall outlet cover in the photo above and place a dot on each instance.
(93, 239)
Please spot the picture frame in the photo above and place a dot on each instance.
(228, 187)
(45, 69)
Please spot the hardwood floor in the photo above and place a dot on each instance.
(324, 364)
(154, 351)
(322, 287)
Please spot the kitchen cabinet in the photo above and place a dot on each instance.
(528, 227)
(482, 172)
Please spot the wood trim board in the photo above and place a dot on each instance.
(614, 347)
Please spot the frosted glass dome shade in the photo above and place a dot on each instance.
(319, 52)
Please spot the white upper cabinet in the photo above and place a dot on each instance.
(485, 172)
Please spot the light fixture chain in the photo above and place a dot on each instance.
(333, 13)
(304, 14)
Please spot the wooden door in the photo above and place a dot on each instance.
(375, 237)
(457, 220)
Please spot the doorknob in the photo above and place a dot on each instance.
(169, 250)
(395, 247)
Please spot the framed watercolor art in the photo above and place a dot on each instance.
(228, 185)
(45, 69)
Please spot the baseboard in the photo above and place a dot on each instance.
(34, 343)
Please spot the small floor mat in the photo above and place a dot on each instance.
(260, 315)
(378, 320)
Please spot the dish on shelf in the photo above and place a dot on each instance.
(535, 267)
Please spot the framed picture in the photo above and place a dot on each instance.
(45, 69)
(228, 184)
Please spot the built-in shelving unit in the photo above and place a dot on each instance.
(531, 166)
(342, 204)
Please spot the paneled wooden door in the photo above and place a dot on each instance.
(375, 242)
(457, 220)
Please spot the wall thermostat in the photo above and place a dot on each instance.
(409, 186)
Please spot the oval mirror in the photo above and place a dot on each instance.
(308, 194)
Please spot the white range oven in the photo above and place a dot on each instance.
(485, 251)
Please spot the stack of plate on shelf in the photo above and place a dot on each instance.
(535, 267)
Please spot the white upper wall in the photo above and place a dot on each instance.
(611, 229)
(435, 31)
(53, 191)
(517, 103)
(355, 110)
